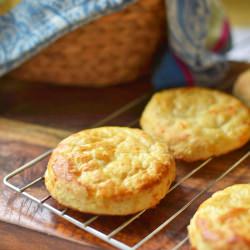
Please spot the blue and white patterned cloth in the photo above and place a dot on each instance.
(32, 25)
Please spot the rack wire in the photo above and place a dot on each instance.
(110, 237)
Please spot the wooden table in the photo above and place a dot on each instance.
(35, 117)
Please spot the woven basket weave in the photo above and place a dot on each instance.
(114, 49)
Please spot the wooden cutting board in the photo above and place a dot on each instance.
(25, 225)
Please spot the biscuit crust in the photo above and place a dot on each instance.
(197, 123)
(110, 170)
(223, 221)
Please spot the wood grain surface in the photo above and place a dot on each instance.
(26, 225)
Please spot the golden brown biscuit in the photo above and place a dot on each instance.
(197, 123)
(242, 87)
(223, 221)
(110, 170)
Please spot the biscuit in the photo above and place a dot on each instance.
(223, 221)
(110, 171)
(242, 87)
(197, 123)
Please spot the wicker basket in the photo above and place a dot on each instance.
(114, 49)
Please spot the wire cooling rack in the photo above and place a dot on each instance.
(110, 237)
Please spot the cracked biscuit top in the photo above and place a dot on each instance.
(109, 163)
(197, 123)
